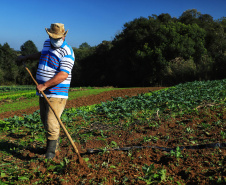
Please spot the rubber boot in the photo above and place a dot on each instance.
(57, 145)
(51, 149)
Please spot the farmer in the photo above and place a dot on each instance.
(56, 61)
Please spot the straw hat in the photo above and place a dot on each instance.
(56, 30)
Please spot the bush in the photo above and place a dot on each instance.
(180, 70)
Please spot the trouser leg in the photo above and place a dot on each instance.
(51, 123)
(48, 117)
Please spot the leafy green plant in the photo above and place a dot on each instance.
(113, 144)
(189, 130)
(61, 167)
(205, 125)
(153, 175)
(223, 134)
(150, 138)
(177, 153)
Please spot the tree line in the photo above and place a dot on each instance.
(159, 50)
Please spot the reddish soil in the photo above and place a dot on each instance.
(203, 166)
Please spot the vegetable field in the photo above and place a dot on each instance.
(176, 135)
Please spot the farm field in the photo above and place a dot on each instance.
(133, 138)
(14, 104)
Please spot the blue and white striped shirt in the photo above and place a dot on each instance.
(51, 62)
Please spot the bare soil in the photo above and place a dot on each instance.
(203, 166)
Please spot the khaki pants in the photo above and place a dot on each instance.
(48, 117)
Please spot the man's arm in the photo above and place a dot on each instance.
(35, 56)
(60, 77)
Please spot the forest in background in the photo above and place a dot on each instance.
(159, 50)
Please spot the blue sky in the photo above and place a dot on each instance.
(90, 21)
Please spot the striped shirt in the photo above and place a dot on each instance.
(53, 61)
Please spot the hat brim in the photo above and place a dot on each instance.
(56, 36)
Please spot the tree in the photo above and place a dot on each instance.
(164, 17)
(189, 16)
(83, 57)
(8, 66)
(84, 45)
(125, 65)
(91, 67)
(28, 48)
(206, 18)
(145, 46)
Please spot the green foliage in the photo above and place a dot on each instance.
(177, 153)
(143, 53)
(152, 175)
(31, 121)
(183, 97)
(28, 48)
(16, 88)
(180, 70)
(12, 72)
(223, 134)
(170, 42)
(16, 92)
(14, 96)
(9, 70)
(190, 16)
(84, 45)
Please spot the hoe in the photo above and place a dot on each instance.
(58, 118)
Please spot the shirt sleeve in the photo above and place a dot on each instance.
(67, 64)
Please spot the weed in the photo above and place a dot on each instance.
(150, 138)
(153, 175)
(223, 134)
(177, 153)
(189, 130)
(113, 144)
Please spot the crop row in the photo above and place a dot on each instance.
(16, 88)
(14, 96)
(179, 99)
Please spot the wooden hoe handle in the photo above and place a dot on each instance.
(58, 118)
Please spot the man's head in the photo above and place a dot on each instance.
(56, 31)
(57, 34)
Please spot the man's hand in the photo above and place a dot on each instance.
(41, 87)
(60, 77)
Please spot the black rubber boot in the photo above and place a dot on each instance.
(57, 145)
(51, 149)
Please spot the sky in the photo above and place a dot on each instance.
(91, 21)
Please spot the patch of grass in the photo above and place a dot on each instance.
(19, 105)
